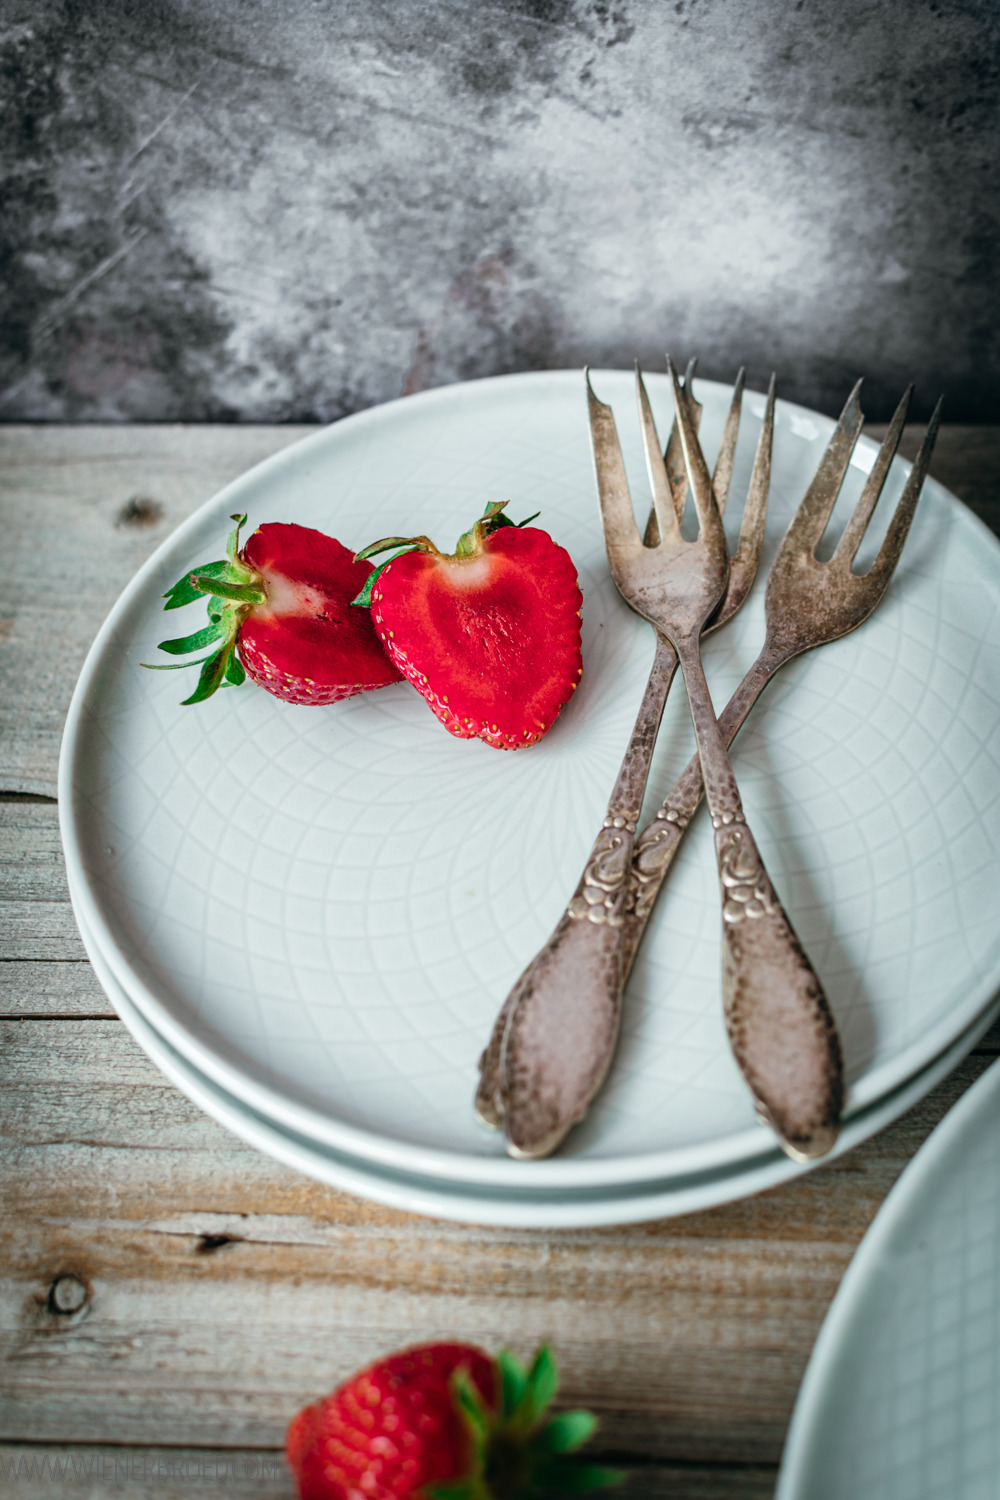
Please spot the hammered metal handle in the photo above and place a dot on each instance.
(659, 841)
(554, 1038)
(780, 1025)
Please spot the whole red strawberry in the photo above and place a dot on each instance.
(443, 1420)
(488, 634)
(283, 604)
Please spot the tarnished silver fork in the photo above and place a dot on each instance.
(554, 1038)
(779, 1023)
(785, 1035)
(808, 604)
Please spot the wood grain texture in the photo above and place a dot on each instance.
(91, 1473)
(221, 1289)
(225, 1289)
(81, 508)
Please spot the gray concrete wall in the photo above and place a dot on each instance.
(261, 210)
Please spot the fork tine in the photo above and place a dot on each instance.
(664, 497)
(809, 521)
(723, 471)
(673, 457)
(617, 517)
(858, 524)
(747, 553)
(888, 555)
(694, 460)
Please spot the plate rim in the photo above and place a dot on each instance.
(842, 1312)
(489, 1170)
(437, 1199)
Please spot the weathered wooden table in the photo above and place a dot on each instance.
(169, 1296)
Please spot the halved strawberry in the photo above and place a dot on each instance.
(284, 604)
(489, 635)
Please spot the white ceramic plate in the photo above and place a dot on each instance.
(322, 908)
(901, 1400)
(534, 1209)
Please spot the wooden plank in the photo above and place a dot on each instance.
(50, 989)
(966, 461)
(101, 498)
(172, 1474)
(224, 1290)
(36, 918)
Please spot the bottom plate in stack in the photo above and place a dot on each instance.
(544, 1209)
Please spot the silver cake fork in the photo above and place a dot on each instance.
(808, 604)
(553, 1040)
(779, 1024)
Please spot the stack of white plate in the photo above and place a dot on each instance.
(308, 916)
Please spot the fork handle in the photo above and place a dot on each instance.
(553, 1040)
(781, 1029)
(659, 841)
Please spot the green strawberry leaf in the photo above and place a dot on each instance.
(415, 543)
(364, 599)
(514, 1381)
(566, 1432)
(456, 1489)
(193, 642)
(212, 673)
(174, 666)
(543, 1382)
(235, 672)
(562, 1477)
(470, 1405)
(499, 521)
(183, 593)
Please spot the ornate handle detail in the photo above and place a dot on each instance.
(747, 892)
(659, 840)
(780, 1026)
(781, 1029)
(554, 1038)
(600, 896)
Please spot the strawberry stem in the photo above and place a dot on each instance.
(517, 1451)
(221, 588)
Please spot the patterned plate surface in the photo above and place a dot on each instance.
(553, 1208)
(901, 1400)
(322, 908)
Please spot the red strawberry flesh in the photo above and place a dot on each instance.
(491, 640)
(306, 644)
(390, 1430)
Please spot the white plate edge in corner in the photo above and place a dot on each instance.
(834, 1335)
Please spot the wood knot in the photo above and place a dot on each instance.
(67, 1295)
(209, 1243)
(140, 510)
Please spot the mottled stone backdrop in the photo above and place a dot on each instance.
(261, 210)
